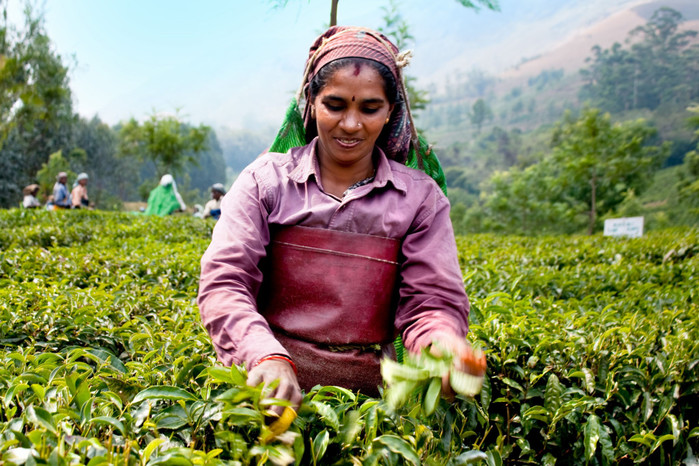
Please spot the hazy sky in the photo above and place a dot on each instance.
(237, 62)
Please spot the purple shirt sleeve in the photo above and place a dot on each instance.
(231, 278)
(432, 297)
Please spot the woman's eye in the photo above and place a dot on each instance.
(369, 111)
(333, 108)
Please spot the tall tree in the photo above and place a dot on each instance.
(36, 114)
(164, 141)
(475, 4)
(480, 113)
(597, 162)
(661, 66)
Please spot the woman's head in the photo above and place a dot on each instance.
(350, 110)
(363, 52)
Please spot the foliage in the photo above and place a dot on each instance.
(35, 104)
(597, 162)
(689, 184)
(47, 175)
(480, 112)
(591, 345)
(661, 66)
(163, 140)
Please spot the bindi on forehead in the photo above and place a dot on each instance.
(352, 98)
(357, 69)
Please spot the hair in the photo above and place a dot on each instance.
(323, 75)
(321, 78)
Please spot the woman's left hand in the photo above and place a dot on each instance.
(465, 359)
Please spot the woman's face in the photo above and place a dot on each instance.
(351, 110)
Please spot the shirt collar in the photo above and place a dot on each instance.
(308, 165)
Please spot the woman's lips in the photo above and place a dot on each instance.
(348, 143)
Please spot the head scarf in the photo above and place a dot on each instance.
(82, 176)
(30, 189)
(356, 42)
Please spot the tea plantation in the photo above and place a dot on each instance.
(592, 348)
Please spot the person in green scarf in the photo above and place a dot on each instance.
(165, 199)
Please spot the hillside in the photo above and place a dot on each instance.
(571, 54)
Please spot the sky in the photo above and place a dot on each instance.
(237, 63)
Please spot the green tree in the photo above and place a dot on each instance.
(480, 112)
(688, 186)
(36, 114)
(46, 176)
(398, 30)
(164, 141)
(661, 66)
(596, 162)
(475, 4)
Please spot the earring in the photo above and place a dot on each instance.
(313, 112)
(388, 118)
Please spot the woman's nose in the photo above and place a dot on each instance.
(351, 121)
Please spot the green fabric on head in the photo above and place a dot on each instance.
(430, 163)
(293, 134)
(162, 201)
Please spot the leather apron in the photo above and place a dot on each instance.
(329, 297)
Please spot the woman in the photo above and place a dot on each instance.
(30, 201)
(165, 199)
(322, 255)
(78, 195)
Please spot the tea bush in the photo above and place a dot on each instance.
(592, 346)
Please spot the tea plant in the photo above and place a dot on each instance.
(592, 347)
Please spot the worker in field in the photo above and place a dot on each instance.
(30, 201)
(164, 199)
(60, 198)
(324, 253)
(213, 207)
(78, 195)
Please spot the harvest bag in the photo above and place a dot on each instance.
(329, 296)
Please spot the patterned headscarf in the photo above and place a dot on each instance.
(356, 42)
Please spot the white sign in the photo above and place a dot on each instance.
(629, 226)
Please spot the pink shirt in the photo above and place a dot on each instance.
(285, 189)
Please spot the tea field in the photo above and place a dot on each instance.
(592, 348)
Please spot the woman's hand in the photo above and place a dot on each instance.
(288, 388)
(465, 359)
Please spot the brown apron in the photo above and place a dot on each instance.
(329, 296)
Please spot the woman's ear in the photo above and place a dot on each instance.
(390, 111)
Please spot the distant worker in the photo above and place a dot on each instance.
(165, 199)
(213, 207)
(61, 197)
(30, 201)
(79, 194)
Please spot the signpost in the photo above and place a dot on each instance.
(629, 226)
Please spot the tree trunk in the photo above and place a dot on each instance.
(333, 13)
(593, 205)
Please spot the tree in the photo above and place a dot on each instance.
(597, 162)
(688, 186)
(46, 176)
(661, 66)
(165, 141)
(397, 29)
(112, 178)
(36, 115)
(480, 112)
(475, 4)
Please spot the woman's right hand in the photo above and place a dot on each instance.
(288, 388)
